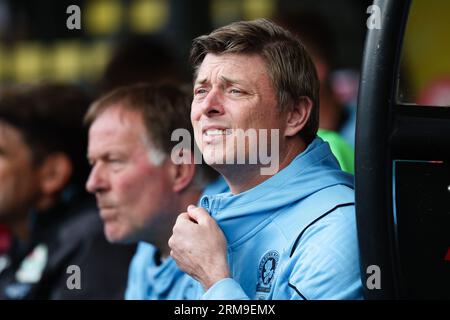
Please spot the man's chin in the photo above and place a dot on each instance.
(113, 236)
(213, 156)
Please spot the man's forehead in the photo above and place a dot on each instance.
(116, 125)
(226, 65)
(106, 142)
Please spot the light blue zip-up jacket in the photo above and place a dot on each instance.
(150, 280)
(292, 236)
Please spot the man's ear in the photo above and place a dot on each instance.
(54, 173)
(298, 116)
(183, 173)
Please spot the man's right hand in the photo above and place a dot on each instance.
(199, 247)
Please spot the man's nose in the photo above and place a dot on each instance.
(96, 181)
(213, 103)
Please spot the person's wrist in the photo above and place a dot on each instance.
(215, 278)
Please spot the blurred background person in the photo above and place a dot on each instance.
(42, 200)
(139, 189)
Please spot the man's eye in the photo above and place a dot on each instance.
(236, 91)
(116, 165)
(200, 92)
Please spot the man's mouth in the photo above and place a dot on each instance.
(217, 132)
(106, 211)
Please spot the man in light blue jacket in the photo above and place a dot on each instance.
(286, 229)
